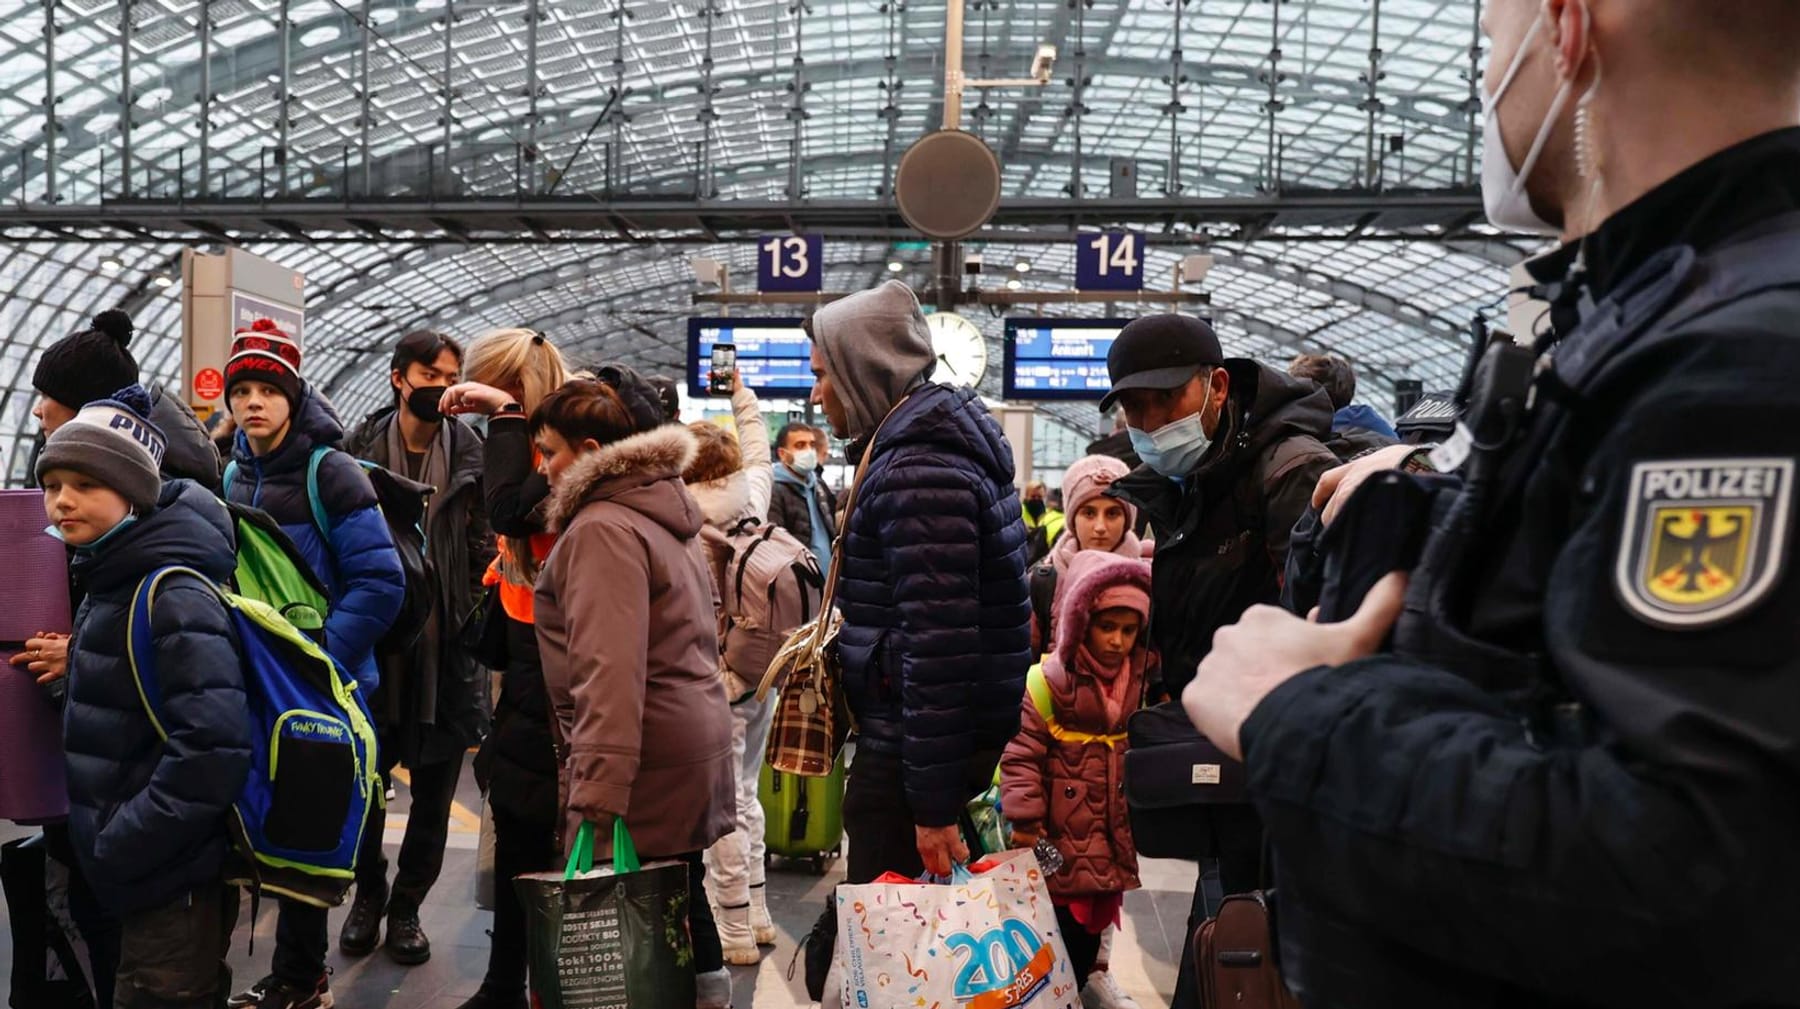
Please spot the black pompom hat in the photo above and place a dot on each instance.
(89, 365)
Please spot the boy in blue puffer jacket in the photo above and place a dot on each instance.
(147, 809)
(280, 421)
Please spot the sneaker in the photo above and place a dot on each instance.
(736, 938)
(250, 996)
(273, 993)
(712, 990)
(362, 929)
(406, 940)
(761, 925)
(1103, 992)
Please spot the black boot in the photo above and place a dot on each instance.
(406, 940)
(491, 998)
(362, 930)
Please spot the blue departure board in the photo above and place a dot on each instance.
(774, 355)
(1058, 359)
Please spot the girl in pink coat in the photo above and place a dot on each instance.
(1063, 776)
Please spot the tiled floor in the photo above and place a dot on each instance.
(1143, 956)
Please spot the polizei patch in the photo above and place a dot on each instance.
(1704, 539)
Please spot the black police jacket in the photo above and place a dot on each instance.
(1575, 781)
(1222, 534)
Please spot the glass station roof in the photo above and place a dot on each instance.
(727, 101)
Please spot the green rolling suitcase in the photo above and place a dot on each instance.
(805, 816)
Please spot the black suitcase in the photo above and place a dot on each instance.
(1173, 775)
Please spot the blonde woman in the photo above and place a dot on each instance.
(511, 371)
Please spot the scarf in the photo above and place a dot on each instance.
(1115, 684)
(436, 471)
(427, 654)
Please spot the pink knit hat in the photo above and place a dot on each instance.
(1088, 478)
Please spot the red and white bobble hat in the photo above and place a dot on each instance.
(261, 352)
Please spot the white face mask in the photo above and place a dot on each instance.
(805, 461)
(1503, 192)
(1176, 448)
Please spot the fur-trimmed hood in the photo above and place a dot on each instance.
(1091, 575)
(642, 472)
(724, 502)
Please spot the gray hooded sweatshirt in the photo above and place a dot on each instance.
(877, 348)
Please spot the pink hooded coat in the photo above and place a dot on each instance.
(1074, 792)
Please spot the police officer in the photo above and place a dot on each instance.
(1571, 776)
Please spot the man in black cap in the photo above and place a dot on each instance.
(1231, 452)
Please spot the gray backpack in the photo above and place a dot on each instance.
(771, 585)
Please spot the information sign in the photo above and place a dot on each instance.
(773, 355)
(790, 263)
(1109, 261)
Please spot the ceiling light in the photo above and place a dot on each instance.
(895, 266)
(111, 264)
(1022, 266)
(163, 280)
(1013, 285)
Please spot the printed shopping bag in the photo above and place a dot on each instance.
(986, 940)
(611, 938)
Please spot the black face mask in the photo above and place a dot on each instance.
(423, 402)
(1035, 509)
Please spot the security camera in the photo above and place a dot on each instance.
(1043, 63)
(972, 264)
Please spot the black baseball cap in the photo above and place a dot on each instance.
(1160, 352)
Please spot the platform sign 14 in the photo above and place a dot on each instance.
(790, 263)
(1109, 261)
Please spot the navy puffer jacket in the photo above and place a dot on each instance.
(357, 562)
(937, 619)
(148, 818)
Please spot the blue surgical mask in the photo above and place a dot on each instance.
(1174, 449)
(124, 523)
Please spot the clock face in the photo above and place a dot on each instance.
(961, 349)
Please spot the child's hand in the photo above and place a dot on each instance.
(1026, 837)
(46, 656)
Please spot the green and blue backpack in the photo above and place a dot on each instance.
(314, 786)
(403, 505)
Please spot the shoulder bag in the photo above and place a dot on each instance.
(812, 719)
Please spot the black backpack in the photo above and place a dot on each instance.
(402, 503)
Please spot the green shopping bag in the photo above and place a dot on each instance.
(610, 939)
(991, 828)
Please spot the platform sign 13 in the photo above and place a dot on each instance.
(790, 263)
(1109, 261)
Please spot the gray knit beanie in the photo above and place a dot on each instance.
(112, 441)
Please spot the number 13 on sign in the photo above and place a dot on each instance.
(790, 263)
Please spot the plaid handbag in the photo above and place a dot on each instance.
(812, 718)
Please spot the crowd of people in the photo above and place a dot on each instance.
(1515, 727)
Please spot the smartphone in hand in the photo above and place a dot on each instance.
(724, 369)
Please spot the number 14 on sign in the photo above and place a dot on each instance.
(1110, 261)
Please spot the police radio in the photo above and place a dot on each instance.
(1497, 392)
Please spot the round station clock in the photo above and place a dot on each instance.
(960, 347)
